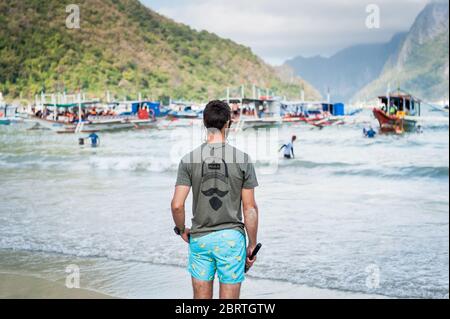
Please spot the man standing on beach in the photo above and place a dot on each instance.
(223, 180)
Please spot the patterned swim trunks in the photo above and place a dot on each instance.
(223, 252)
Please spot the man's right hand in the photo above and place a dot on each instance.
(186, 235)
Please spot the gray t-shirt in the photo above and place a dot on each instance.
(217, 174)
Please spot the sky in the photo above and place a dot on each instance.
(278, 30)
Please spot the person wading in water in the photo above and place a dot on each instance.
(289, 148)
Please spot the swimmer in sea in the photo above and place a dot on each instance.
(95, 139)
(370, 133)
(289, 148)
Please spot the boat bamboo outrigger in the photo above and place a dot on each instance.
(398, 113)
(83, 116)
(315, 113)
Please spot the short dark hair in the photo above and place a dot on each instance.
(216, 115)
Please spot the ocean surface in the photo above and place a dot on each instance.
(349, 213)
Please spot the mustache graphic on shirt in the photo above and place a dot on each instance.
(215, 191)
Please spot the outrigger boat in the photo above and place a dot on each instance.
(182, 114)
(255, 113)
(88, 117)
(8, 113)
(318, 114)
(185, 113)
(399, 113)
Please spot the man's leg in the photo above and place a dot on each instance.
(230, 254)
(230, 291)
(202, 289)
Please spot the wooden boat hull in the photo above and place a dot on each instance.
(314, 121)
(393, 123)
(90, 127)
(245, 124)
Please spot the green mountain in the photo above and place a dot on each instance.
(421, 64)
(124, 47)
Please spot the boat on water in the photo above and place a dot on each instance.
(8, 114)
(399, 113)
(315, 113)
(181, 114)
(439, 109)
(92, 116)
(186, 112)
(263, 112)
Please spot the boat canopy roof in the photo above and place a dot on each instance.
(71, 105)
(404, 102)
(248, 101)
(400, 95)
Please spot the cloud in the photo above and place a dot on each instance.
(280, 29)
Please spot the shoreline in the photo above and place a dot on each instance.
(38, 275)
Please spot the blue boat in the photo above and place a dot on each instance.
(5, 121)
(186, 113)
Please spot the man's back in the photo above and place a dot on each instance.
(217, 174)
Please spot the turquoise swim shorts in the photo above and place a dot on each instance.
(223, 252)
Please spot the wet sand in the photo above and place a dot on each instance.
(28, 287)
(42, 276)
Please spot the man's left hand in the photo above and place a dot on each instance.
(250, 262)
(186, 235)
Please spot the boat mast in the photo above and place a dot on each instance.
(78, 128)
(388, 95)
(140, 100)
(328, 99)
(42, 102)
(55, 107)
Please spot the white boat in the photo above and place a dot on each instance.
(8, 114)
(96, 125)
(101, 119)
(255, 113)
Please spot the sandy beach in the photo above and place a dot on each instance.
(33, 275)
(29, 287)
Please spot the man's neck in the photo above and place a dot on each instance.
(216, 139)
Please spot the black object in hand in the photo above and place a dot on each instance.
(253, 255)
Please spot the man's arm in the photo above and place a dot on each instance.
(282, 147)
(178, 211)
(292, 150)
(251, 221)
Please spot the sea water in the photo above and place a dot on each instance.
(348, 213)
